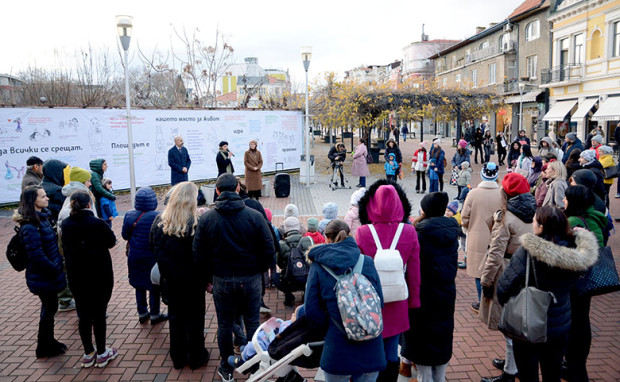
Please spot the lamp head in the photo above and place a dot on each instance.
(306, 55)
(124, 26)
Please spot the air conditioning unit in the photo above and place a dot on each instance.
(508, 27)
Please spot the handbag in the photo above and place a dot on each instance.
(454, 177)
(131, 232)
(611, 172)
(602, 277)
(524, 316)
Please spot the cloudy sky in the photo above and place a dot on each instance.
(343, 34)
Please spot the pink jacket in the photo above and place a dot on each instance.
(352, 218)
(385, 210)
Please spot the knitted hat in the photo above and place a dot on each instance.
(291, 210)
(453, 206)
(605, 150)
(572, 136)
(597, 138)
(462, 143)
(33, 160)
(489, 172)
(79, 175)
(357, 195)
(515, 184)
(313, 225)
(437, 141)
(269, 214)
(424, 145)
(588, 155)
(584, 177)
(222, 143)
(330, 210)
(434, 204)
(291, 224)
(465, 164)
(105, 181)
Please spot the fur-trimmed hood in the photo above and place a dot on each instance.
(373, 205)
(577, 259)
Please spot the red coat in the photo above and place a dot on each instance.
(316, 237)
(419, 163)
(385, 210)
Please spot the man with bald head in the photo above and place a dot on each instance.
(179, 162)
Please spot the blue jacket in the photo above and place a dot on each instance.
(458, 158)
(391, 169)
(340, 356)
(44, 272)
(177, 160)
(141, 258)
(108, 208)
(439, 168)
(566, 148)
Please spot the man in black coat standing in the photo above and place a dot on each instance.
(232, 248)
(179, 162)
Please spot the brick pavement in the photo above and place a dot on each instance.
(144, 348)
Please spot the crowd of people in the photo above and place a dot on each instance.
(542, 212)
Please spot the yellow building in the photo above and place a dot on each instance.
(584, 75)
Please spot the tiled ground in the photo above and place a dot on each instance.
(144, 348)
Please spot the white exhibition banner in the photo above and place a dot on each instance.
(76, 136)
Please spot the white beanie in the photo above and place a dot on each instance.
(357, 195)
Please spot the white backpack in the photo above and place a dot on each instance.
(389, 265)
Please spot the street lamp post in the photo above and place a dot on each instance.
(124, 25)
(306, 55)
(521, 88)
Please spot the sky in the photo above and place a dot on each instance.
(343, 34)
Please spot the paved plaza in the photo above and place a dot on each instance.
(144, 348)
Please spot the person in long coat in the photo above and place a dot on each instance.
(179, 162)
(428, 342)
(253, 161)
(140, 258)
(360, 166)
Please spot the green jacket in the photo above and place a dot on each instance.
(96, 173)
(596, 223)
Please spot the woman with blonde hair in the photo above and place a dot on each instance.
(172, 236)
(556, 184)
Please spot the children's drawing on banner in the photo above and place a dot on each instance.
(161, 155)
(159, 140)
(19, 125)
(95, 137)
(37, 135)
(69, 124)
(9, 174)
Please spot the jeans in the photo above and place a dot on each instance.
(510, 366)
(49, 307)
(393, 178)
(479, 289)
(362, 181)
(432, 373)
(476, 150)
(487, 154)
(91, 311)
(235, 296)
(368, 377)
(548, 354)
(154, 302)
(420, 175)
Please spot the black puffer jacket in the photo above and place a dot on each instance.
(557, 268)
(429, 339)
(523, 206)
(597, 168)
(44, 272)
(232, 240)
(333, 153)
(86, 243)
(393, 150)
(53, 182)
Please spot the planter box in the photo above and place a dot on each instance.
(347, 135)
(375, 153)
(317, 132)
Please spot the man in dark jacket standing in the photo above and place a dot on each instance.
(233, 247)
(34, 172)
(53, 182)
(179, 162)
(571, 143)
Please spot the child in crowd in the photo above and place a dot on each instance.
(313, 226)
(452, 211)
(391, 168)
(418, 166)
(330, 212)
(108, 206)
(352, 218)
(464, 178)
(433, 184)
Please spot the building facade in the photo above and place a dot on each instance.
(11, 89)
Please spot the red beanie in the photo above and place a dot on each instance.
(515, 184)
(268, 213)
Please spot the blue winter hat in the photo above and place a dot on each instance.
(489, 172)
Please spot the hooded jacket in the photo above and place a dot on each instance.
(330, 212)
(232, 240)
(53, 182)
(44, 272)
(384, 207)
(568, 147)
(393, 150)
(31, 178)
(597, 168)
(429, 339)
(607, 161)
(543, 151)
(595, 222)
(556, 188)
(391, 168)
(464, 177)
(67, 190)
(340, 356)
(557, 268)
(141, 258)
(504, 242)
(96, 176)
(292, 239)
(459, 158)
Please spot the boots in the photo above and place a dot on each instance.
(390, 374)
(505, 377)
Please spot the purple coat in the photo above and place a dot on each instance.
(360, 167)
(385, 210)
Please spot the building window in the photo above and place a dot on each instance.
(578, 48)
(458, 78)
(474, 77)
(532, 66)
(492, 75)
(617, 39)
(504, 42)
(532, 30)
(563, 52)
(483, 45)
(445, 82)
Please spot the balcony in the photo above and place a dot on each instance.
(570, 72)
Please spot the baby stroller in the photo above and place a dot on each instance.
(297, 346)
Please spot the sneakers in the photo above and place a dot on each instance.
(235, 361)
(88, 360)
(66, 307)
(617, 196)
(264, 308)
(475, 306)
(106, 357)
(226, 375)
(160, 318)
(462, 265)
(237, 349)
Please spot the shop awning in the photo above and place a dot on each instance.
(560, 110)
(527, 97)
(584, 108)
(608, 110)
